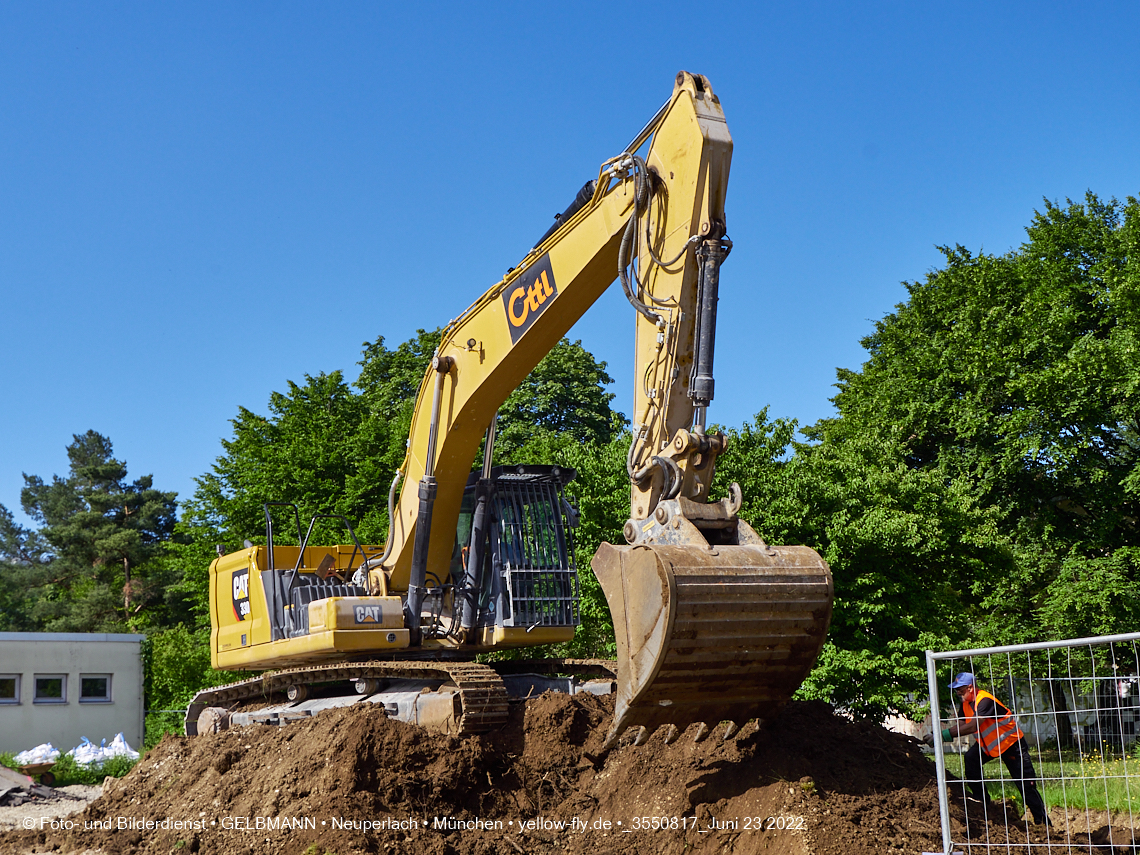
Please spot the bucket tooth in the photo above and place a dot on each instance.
(642, 736)
(730, 731)
(671, 733)
(702, 732)
(711, 633)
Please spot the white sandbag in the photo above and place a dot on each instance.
(87, 753)
(119, 748)
(44, 753)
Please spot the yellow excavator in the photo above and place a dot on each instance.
(712, 624)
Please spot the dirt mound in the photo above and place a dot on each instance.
(352, 781)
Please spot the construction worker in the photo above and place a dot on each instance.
(998, 736)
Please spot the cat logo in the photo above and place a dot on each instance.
(528, 296)
(241, 593)
(367, 614)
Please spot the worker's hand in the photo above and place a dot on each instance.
(929, 739)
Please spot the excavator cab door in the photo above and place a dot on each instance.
(514, 555)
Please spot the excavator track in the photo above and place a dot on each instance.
(483, 696)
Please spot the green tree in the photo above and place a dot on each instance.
(103, 535)
(327, 448)
(310, 451)
(564, 399)
(23, 569)
(390, 379)
(906, 549)
(1019, 374)
(323, 447)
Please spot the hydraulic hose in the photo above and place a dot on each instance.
(669, 470)
(428, 487)
(640, 198)
(692, 241)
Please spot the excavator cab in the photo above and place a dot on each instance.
(513, 560)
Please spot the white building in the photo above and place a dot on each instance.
(60, 686)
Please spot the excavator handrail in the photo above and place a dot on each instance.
(308, 534)
(269, 525)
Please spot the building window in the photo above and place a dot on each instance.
(94, 688)
(9, 688)
(51, 689)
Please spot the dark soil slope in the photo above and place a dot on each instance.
(352, 781)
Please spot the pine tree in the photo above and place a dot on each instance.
(101, 531)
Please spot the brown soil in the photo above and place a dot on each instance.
(808, 783)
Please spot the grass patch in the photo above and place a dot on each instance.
(68, 772)
(1091, 781)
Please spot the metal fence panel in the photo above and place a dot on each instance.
(1077, 704)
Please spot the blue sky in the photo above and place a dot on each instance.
(200, 202)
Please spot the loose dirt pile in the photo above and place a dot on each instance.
(351, 781)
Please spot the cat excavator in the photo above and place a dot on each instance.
(712, 624)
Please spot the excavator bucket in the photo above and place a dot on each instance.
(711, 633)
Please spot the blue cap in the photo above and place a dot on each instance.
(962, 680)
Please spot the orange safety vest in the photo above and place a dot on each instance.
(995, 734)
